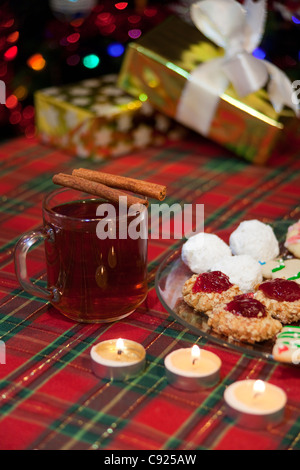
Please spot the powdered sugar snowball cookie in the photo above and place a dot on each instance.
(201, 251)
(242, 270)
(256, 239)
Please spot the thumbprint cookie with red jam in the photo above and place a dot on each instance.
(204, 291)
(244, 319)
(282, 299)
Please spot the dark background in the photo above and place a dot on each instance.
(62, 41)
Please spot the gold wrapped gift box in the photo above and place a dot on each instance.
(158, 66)
(95, 119)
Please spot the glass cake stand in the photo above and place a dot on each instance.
(170, 277)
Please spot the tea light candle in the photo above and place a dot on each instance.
(192, 368)
(254, 403)
(119, 359)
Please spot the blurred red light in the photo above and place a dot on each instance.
(105, 18)
(11, 53)
(15, 117)
(13, 37)
(28, 112)
(8, 23)
(73, 38)
(150, 11)
(77, 22)
(134, 19)
(121, 5)
(11, 101)
(109, 29)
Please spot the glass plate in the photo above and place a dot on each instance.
(170, 277)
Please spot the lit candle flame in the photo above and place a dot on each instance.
(195, 353)
(120, 345)
(258, 388)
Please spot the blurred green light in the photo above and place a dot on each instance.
(143, 97)
(91, 61)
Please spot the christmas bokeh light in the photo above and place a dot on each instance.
(91, 61)
(121, 5)
(11, 102)
(66, 41)
(11, 53)
(72, 38)
(36, 62)
(259, 53)
(115, 49)
(134, 33)
(13, 37)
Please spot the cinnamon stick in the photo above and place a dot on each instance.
(145, 188)
(96, 189)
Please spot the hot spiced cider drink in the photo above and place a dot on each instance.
(98, 279)
(96, 253)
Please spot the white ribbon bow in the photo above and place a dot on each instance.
(238, 29)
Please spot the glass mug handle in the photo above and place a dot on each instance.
(21, 250)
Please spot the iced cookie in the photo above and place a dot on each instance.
(244, 319)
(292, 242)
(270, 267)
(201, 251)
(285, 269)
(204, 291)
(282, 299)
(242, 270)
(256, 239)
(287, 345)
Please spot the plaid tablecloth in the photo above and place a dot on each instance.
(49, 398)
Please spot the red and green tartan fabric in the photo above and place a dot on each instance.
(49, 397)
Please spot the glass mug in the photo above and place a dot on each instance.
(89, 279)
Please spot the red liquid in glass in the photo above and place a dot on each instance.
(97, 279)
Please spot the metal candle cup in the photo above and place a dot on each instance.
(191, 369)
(255, 404)
(120, 359)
